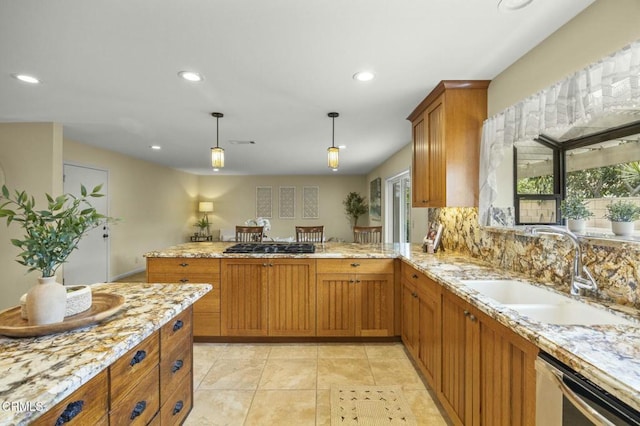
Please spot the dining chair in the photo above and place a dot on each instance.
(367, 234)
(249, 234)
(311, 234)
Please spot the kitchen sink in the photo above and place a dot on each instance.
(508, 292)
(544, 305)
(570, 313)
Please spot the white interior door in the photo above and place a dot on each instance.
(398, 205)
(89, 263)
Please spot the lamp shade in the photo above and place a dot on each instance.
(205, 206)
(332, 157)
(217, 158)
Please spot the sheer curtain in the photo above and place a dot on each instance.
(609, 87)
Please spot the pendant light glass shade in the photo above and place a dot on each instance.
(332, 157)
(217, 153)
(333, 152)
(217, 157)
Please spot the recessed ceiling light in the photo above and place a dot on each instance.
(155, 147)
(191, 76)
(364, 76)
(513, 4)
(26, 78)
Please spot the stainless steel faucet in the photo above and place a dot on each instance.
(581, 278)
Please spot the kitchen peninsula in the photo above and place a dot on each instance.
(119, 368)
(608, 355)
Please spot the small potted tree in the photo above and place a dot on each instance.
(622, 214)
(575, 210)
(51, 235)
(355, 206)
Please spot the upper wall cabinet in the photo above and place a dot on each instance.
(447, 128)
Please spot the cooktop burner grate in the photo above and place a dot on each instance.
(271, 248)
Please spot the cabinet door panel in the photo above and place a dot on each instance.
(374, 306)
(507, 376)
(429, 333)
(243, 298)
(437, 160)
(292, 298)
(410, 317)
(420, 169)
(455, 372)
(336, 303)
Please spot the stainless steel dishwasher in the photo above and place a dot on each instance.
(564, 397)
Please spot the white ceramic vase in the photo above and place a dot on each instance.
(46, 302)
(622, 228)
(576, 225)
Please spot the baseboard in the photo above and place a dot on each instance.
(127, 274)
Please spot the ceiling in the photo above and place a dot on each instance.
(275, 68)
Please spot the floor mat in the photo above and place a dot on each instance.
(370, 406)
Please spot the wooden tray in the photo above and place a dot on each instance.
(103, 306)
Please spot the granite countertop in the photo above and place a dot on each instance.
(608, 355)
(38, 372)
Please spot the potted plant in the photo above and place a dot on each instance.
(622, 214)
(575, 210)
(355, 206)
(51, 235)
(203, 226)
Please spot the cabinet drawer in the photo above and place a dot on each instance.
(206, 324)
(210, 302)
(141, 404)
(179, 265)
(178, 405)
(91, 403)
(183, 278)
(126, 372)
(176, 329)
(175, 365)
(357, 266)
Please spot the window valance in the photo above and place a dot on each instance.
(603, 94)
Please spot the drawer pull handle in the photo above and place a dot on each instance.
(414, 294)
(184, 265)
(184, 280)
(466, 313)
(138, 409)
(355, 265)
(178, 407)
(472, 318)
(72, 410)
(414, 276)
(178, 325)
(177, 365)
(138, 357)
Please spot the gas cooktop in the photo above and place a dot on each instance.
(271, 248)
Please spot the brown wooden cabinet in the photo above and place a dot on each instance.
(152, 380)
(421, 327)
(488, 373)
(355, 297)
(446, 129)
(89, 405)
(206, 311)
(268, 297)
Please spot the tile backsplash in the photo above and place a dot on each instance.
(614, 264)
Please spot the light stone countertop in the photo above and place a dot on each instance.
(38, 372)
(608, 355)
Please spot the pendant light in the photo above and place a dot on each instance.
(332, 151)
(217, 153)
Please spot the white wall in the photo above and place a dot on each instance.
(234, 202)
(154, 204)
(601, 29)
(30, 156)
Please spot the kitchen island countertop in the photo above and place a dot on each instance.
(38, 372)
(608, 355)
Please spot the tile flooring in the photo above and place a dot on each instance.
(289, 384)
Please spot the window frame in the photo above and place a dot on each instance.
(559, 150)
